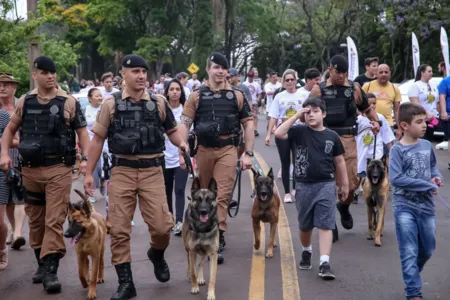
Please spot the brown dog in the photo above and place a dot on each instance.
(201, 235)
(87, 230)
(375, 191)
(265, 208)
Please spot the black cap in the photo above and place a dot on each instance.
(134, 61)
(234, 72)
(220, 59)
(340, 63)
(45, 63)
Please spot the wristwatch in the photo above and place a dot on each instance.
(84, 158)
(249, 153)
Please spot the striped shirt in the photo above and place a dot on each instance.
(5, 117)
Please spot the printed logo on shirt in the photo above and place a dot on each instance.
(417, 165)
(328, 146)
(251, 89)
(301, 162)
(430, 98)
(368, 139)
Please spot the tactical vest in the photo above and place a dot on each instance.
(45, 139)
(340, 105)
(136, 127)
(217, 115)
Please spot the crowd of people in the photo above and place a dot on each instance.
(326, 128)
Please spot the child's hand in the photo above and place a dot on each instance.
(437, 181)
(343, 193)
(301, 111)
(434, 192)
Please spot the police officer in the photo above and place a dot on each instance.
(217, 111)
(134, 123)
(338, 92)
(49, 121)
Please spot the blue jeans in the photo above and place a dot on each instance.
(416, 236)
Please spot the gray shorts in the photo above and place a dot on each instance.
(316, 205)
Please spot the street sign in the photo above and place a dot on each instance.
(193, 68)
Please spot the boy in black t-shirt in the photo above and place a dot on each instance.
(319, 164)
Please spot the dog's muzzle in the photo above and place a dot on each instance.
(204, 216)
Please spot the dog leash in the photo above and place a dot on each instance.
(443, 201)
(258, 169)
(238, 182)
(374, 145)
(187, 161)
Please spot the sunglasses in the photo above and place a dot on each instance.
(289, 80)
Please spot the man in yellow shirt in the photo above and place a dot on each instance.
(388, 95)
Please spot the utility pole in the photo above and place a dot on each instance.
(34, 50)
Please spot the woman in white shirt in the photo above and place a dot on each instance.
(285, 105)
(95, 100)
(421, 92)
(173, 173)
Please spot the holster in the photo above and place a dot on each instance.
(106, 166)
(193, 146)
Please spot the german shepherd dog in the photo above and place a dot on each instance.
(201, 234)
(87, 230)
(265, 208)
(375, 191)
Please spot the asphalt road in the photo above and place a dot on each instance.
(363, 271)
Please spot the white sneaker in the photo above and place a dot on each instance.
(279, 174)
(287, 198)
(442, 146)
(92, 199)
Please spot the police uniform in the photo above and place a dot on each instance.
(47, 147)
(217, 117)
(341, 117)
(135, 132)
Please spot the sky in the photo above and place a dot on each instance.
(21, 9)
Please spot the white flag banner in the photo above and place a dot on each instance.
(415, 53)
(353, 67)
(444, 48)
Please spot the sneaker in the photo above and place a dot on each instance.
(325, 272)
(3, 259)
(442, 146)
(132, 223)
(92, 199)
(355, 198)
(103, 189)
(178, 228)
(305, 263)
(287, 198)
(256, 133)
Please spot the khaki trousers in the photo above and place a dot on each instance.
(46, 221)
(351, 162)
(221, 164)
(126, 184)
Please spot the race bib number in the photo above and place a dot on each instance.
(368, 139)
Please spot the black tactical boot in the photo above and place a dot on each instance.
(126, 289)
(335, 234)
(50, 280)
(346, 217)
(222, 242)
(161, 269)
(39, 275)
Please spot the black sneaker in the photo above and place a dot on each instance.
(325, 272)
(355, 198)
(305, 263)
(256, 133)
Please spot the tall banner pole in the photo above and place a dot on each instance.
(353, 70)
(444, 48)
(415, 53)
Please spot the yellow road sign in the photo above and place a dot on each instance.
(193, 68)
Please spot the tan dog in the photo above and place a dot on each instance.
(201, 234)
(376, 191)
(87, 230)
(265, 208)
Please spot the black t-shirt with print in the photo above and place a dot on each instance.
(314, 153)
(361, 79)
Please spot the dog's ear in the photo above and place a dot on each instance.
(368, 161)
(86, 208)
(255, 174)
(195, 185)
(189, 198)
(383, 159)
(212, 186)
(71, 208)
(270, 174)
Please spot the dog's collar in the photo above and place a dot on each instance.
(191, 228)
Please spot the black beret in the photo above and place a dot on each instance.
(220, 59)
(340, 63)
(134, 61)
(45, 63)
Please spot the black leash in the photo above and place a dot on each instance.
(374, 145)
(238, 182)
(187, 161)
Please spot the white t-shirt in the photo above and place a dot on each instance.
(365, 140)
(255, 90)
(270, 88)
(187, 91)
(105, 93)
(159, 88)
(286, 105)
(91, 116)
(171, 152)
(192, 82)
(305, 93)
(428, 95)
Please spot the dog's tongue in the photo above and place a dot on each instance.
(73, 241)
(264, 198)
(203, 218)
(375, 180)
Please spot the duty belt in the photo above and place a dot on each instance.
(346, 130)
(138, 163)
(218, 143)
(46, 162)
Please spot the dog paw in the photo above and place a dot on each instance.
(257, 245)
(370, 237)
(201, 281)
(211, 296)
(275, 245)
(84, 282)
(195, 290)
(92, 295)
(100, 280)
(377, 243)
(269, 254)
